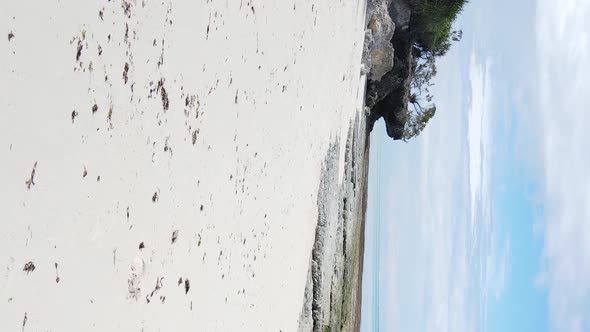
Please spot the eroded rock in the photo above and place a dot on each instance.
(388, 85)
(400, 13)
(379, 50)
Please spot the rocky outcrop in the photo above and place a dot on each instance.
(400, 13)
(388, 92)
(389, 97)
(378, 52)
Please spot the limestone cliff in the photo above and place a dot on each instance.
(388, 56)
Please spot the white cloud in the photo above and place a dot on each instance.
(438, 248)
(474, 132)
(494, 264)
(499, 279)
(563, 29)
(479, 142)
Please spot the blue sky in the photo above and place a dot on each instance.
(483, 222)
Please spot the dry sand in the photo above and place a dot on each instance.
(205, 148)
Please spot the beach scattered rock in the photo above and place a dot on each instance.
(126, 72)
(24, 321)
(159, 285)
(31, 181)
(79, 50)
(134, 280)
(57, 279)
(163, 94)
(29, 267)
(187, 285)
(126, 8)
(165, 101)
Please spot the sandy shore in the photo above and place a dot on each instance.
(161, 160)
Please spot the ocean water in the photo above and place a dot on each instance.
(370, 285)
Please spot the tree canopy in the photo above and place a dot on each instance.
(431, 30)
(431, 24)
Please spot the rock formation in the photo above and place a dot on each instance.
(388, 56)
(378, 48)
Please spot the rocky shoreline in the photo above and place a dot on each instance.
(333, 290)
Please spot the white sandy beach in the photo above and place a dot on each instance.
(225, 154)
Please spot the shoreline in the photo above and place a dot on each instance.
(361, 254)
(334, 289)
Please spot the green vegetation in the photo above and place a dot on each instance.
(431, 34)
(432, 25)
